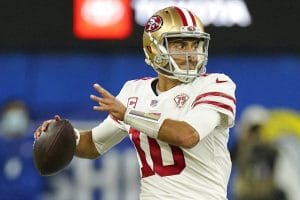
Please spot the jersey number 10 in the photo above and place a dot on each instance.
(155, 153)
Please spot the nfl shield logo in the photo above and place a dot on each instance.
(153, 103)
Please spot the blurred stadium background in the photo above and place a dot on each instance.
(51, 52)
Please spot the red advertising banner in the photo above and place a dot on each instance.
(102, 19)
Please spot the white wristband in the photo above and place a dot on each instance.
(148, 123)
(77, 136)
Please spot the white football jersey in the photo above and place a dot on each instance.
(171, 172)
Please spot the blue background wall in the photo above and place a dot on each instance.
(61, 83)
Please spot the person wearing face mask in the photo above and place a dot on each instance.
(15, 119)
(18, 177)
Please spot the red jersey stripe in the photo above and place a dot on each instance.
(182, 16)
(215, 103)
(220, 94)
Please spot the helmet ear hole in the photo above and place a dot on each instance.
(160, 60)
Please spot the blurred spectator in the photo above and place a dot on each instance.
(267, 155)
(15, 119)
(254, 160)
(18, 178)
(283, 130)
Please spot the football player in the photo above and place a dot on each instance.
(178, 121)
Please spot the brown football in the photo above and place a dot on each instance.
(55, 148)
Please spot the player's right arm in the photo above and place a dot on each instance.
(92, 143)
(86, 147)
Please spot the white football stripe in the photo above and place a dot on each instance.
(187, 16)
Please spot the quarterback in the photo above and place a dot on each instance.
(178, 121)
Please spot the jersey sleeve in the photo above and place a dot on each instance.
(202, 119)
(107, 134)
(219, 95)
(111, 131)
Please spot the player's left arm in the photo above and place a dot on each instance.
(176, 132)
(183, 133)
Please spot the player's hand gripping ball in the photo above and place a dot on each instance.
(55, 148)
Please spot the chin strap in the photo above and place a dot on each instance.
(148, 123)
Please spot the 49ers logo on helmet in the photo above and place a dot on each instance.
(154, 23)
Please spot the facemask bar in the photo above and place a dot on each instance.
(172, 69)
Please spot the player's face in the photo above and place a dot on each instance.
(183, 51)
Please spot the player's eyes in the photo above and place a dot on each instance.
(179, 45)
(184, 45)
(195, 45)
